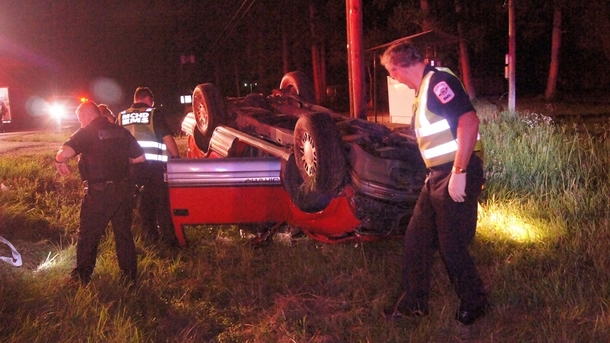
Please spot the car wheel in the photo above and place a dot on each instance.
(299, 83)
(209, 111)
(319, 154)
(304, 198)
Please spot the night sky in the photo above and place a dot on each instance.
(99, 49)
(104, 49)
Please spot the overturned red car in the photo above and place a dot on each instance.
(265, 162)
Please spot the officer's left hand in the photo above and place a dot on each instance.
(457, 187)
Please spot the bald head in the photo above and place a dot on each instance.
(87, 112)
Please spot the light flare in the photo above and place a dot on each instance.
(57, 111)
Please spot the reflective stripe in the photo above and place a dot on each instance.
(156, 145)
(440, 150)
(139, 121)
(155, 157)
(430, 135)
(431, 129)
(422, 120)
(435, 139)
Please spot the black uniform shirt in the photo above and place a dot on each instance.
(105, 150)
(447, 97)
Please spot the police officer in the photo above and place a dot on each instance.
(107, 113)
(445, 215)
(149, 127)
(105, 150)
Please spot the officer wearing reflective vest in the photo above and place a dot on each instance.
(149, 127)
(445, 215)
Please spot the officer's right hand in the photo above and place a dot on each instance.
(457, 186)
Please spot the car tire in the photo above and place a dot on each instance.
(299, 83)
(318, 152)
(305, 199)
(209, 110)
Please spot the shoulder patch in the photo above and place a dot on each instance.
(443, 92)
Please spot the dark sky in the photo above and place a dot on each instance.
(102, 49)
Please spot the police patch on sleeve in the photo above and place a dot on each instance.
(443, 92)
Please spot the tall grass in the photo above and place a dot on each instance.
(541, 248)
(544, 225)
(564, 170)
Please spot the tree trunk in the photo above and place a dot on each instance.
(316, 56)
(427, 23)
(464, 57)
(235, 79)
(260, 64)
(323, 96)
(285, 64)
(551, 85)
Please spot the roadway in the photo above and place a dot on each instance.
(10, 141)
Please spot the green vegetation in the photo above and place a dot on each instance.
(541, 247)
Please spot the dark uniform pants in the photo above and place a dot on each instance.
(104, 203)
(154, 204)
(439, 223)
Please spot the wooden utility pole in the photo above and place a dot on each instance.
(512, 57)
(355, 57)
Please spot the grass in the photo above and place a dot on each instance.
(541, 247)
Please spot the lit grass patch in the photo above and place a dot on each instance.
(512, 221)
(532, 159)
(57, 259)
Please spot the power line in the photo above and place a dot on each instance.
(232, 24)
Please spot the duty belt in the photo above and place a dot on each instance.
(103, 185)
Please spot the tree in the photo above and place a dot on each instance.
(464, 57)
(317, 56)
(551, 85)
(427, 19)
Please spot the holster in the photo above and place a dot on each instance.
(138, 196)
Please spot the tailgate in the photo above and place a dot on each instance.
(225, 191)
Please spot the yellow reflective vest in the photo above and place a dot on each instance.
(139, 121)
(434, 137)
